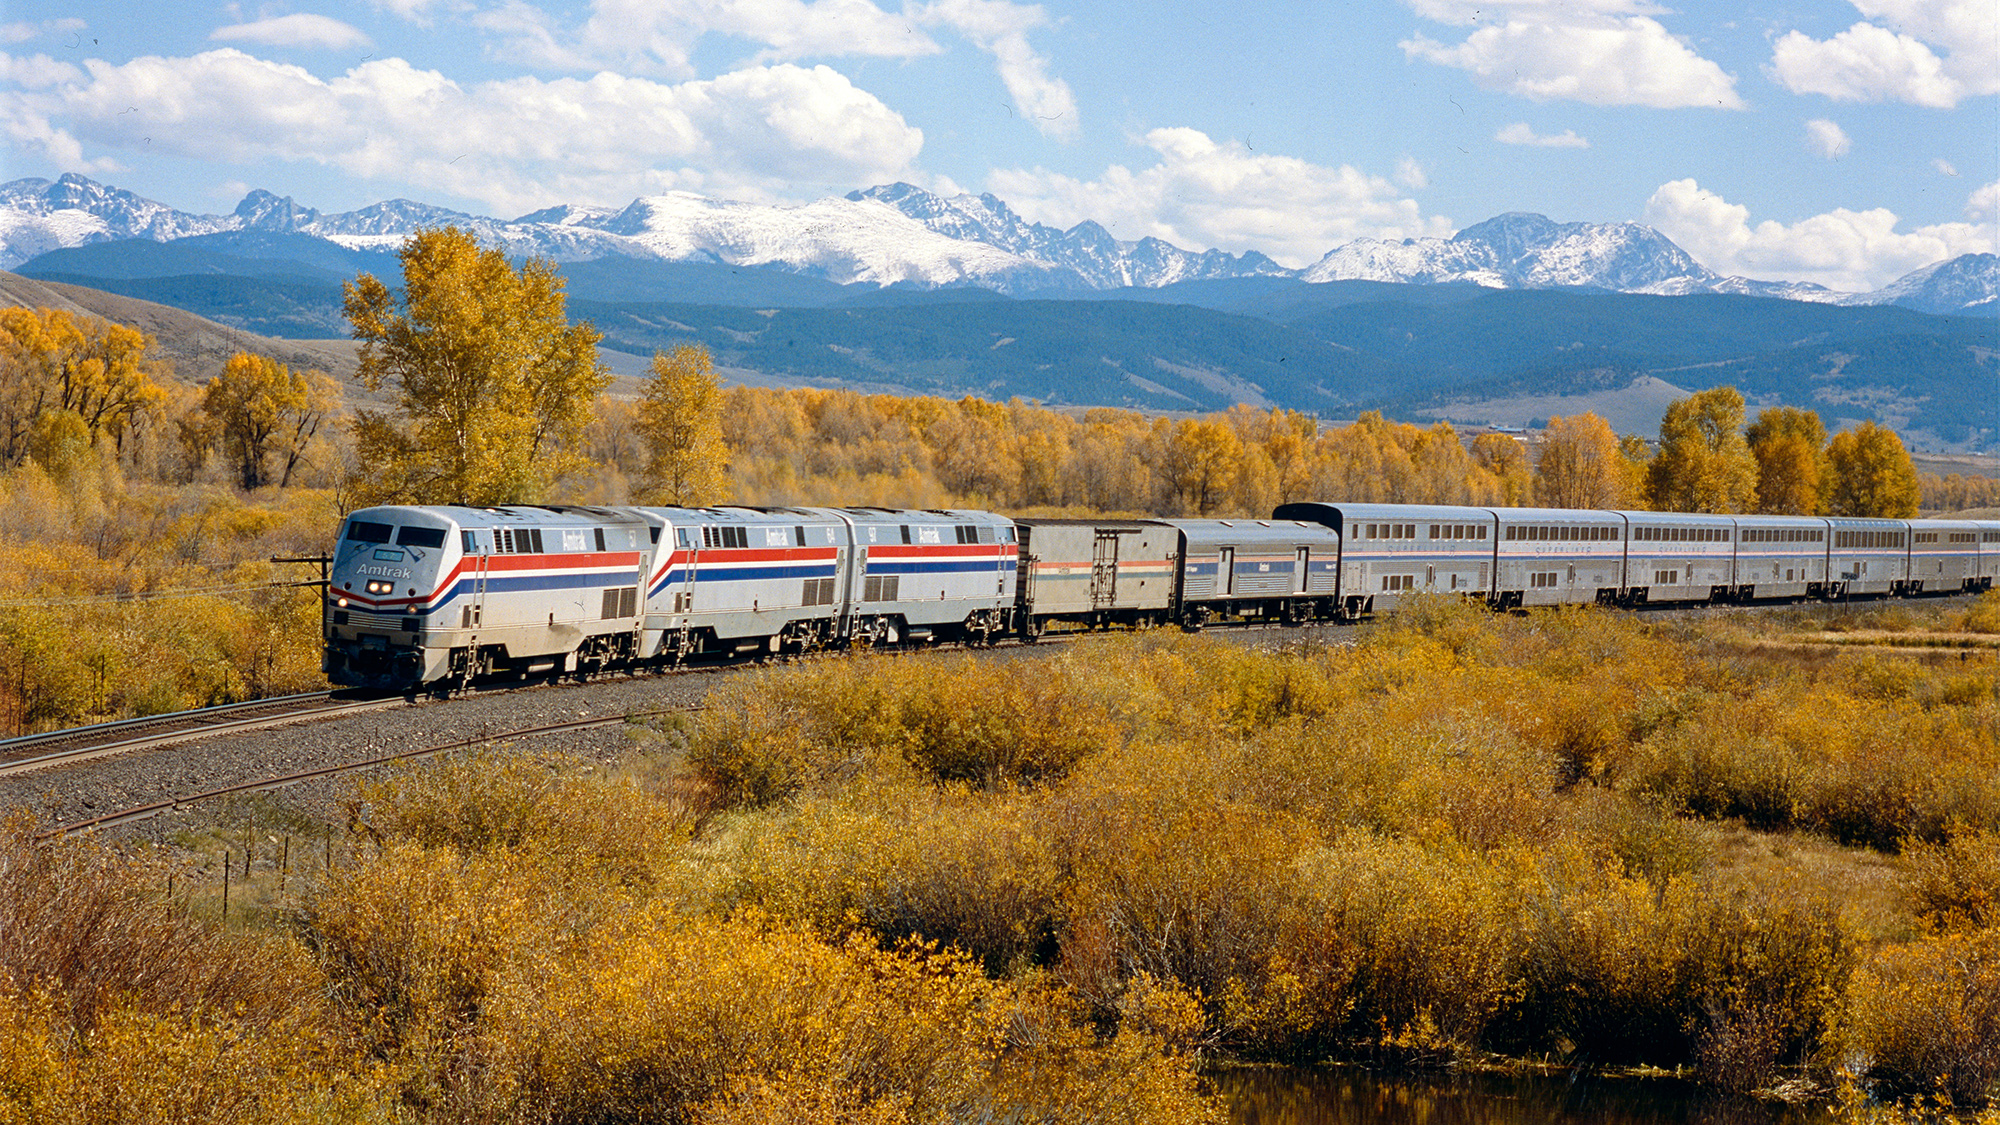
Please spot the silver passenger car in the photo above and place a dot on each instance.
(1559, 556)
(1390, 550)
(1275, 569)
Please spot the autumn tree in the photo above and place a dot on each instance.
(1201, 460)
(1790, 447)
(265, 413)
(1704, 463)
(493, 385)
(680, 420)
(1503, 459)
(1872, 474)
(1581, 465)
(51, 362)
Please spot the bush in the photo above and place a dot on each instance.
(86, 928)
(962, 869)
(1925, 1017)
(771, 736)
(1956, 884)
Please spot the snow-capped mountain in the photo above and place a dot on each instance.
(1522, 251)
(1967, 284)
(898, 234)
(1098, 260)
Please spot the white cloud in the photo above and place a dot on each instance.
(1001, 28)
(1411, 174)
(1870, 62)
(296, 30)
(1586, 56)
(1944, 167)
(1865, 63)
(34, 72)
(1984, 203)
(1203, 193)
(1520, 134)
(756, 133)
(1827, 138)
(416, 11)
(28, 31)
(659, 37)
(1465, 13)
(1855, 251)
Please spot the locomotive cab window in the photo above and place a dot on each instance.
(367, 531)
(420, 536)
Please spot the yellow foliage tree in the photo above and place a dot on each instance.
(1580, 465)
(680, 420)
(51, 361)
(494, 385)
(264, 410)
(1789, 445)
(1202, 460)
(1507, 463)
(1872, 474)
(1704, 463)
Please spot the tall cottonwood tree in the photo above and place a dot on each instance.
(1704, 463)
(493, 385)
(680, 420)
(1872, 474)
(1792, 470)
(54, 363)
(1507, 463)
(1200, 463)
(1581, 465)
(265, 414)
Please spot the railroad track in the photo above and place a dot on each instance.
(79, 744)
(141, 812)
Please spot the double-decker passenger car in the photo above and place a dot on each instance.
(1558, 556)
(1389, 550)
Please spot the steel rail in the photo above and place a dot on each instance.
(317, 706)
(142, 812)
(28, 741)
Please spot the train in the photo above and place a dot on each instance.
(437, 597)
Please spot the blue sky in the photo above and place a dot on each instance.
(1838, 141)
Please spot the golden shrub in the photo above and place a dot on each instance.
(1925, 1016)
(1956, 884)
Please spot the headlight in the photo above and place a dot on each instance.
(341, 602)
(378, 587)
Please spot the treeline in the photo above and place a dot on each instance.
(841, 447)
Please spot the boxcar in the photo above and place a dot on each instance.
(1095, 572)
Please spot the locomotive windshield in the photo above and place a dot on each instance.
(420, 536)
(367, 531)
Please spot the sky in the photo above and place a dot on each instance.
(1843, 142)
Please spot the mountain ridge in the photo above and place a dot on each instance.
(899, 235)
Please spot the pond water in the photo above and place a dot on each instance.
(1352, 1096)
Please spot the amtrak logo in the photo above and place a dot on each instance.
(383, 571)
